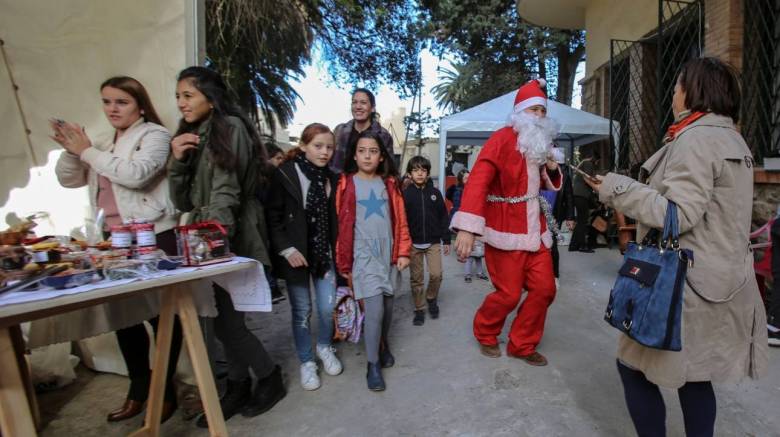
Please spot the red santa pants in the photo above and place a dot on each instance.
(511, 272)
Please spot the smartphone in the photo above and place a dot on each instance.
(585, 175)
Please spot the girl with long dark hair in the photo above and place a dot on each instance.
(217, 165)
(373, 243)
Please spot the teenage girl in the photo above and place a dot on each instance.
(214, 175)
(302, 219)
(127, 179)
(373, 242)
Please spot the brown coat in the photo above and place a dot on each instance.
(707, 171)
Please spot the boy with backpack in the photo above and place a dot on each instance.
(429, 229)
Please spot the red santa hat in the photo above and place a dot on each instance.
(531, 94)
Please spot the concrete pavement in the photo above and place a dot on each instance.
(442, 386)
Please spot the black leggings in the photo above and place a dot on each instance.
(648, 412)
(134, 345)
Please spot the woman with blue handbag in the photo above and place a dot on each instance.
(705, 169)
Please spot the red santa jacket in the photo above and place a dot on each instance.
(501, 170)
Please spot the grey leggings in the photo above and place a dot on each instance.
(379, 315)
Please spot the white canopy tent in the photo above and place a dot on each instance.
(475, 125)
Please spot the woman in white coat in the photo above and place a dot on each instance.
(127, 178)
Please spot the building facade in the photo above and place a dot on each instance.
(635, 49)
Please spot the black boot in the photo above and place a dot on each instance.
(419, 318)
(236, 396)
(268, 392)
(386, 359)
(374, 377)
(433, 308)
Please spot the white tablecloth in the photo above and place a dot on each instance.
(248, 288)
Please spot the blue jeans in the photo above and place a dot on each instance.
(301, 305)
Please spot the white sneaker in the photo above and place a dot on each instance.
(309, 378)
(330, 362)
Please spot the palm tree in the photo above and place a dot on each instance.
(455, 87)
(259, 46)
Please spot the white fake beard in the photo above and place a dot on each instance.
(534, 135)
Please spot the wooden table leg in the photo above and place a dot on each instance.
(24, 369)
(200, 363)
(15, 416)
(162, 353)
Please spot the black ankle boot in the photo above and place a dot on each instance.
(236, 396)
(386, 359)
(433, 308)
(374, 377)
(268, 392)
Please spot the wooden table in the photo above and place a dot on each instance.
(17, 400)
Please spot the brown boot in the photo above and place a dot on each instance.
(534, 359)
(492, 351)
(129, 409)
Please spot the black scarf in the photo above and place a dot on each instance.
(317, 216)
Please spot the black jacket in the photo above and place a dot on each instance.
(287, 220)
(426, 214)
(564, 202)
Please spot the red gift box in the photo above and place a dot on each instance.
(203, 243)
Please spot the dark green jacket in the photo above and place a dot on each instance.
(581, 188)
(207, 192)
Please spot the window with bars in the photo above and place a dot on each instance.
(642, 78)
(760, 118)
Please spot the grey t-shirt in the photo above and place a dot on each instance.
(372, 271)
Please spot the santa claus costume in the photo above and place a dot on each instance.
(502, 206)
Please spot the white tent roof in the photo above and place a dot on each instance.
(475, 125)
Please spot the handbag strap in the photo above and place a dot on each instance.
(671, 226)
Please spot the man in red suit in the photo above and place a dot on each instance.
(502, 206)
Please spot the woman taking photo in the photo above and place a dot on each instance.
(127, 179)
(302, 220)
(705, 168)
(214, 173)
(364, 118)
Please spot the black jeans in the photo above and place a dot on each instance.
(648, 411)
(580, 238)
(242, 349)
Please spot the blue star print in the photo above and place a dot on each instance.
(373, 205)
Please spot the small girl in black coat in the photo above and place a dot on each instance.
(302, 219)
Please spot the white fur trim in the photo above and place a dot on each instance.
(542, 82)
(509, 241)
(466, 221)
(527, 103)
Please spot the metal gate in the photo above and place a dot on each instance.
(760, 114)
(642, 75)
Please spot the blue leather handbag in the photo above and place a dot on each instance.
(646, 300)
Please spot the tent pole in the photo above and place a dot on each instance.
(442, 158)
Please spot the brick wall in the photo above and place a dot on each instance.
(723, 30)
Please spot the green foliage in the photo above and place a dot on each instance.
(243, 43)
(496, 51)
(369, 43)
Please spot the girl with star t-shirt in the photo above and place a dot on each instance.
(373, 243)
